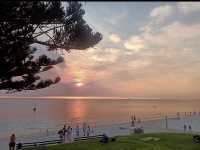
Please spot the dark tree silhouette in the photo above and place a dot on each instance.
(22, 23)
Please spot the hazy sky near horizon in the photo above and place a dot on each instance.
(149, 49)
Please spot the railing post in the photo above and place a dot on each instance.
(166, 122)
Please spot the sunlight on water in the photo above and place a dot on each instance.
(18, 115)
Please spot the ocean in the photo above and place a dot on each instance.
(17, 115)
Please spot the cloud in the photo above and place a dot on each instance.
(171, 38)
(106, 55)
(174, 36)
(168, 54)
(189, 7)
(135, 43)
(115, 38)
(139, 63)
(161, 13)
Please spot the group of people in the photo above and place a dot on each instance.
(66, 134)
(189, 127)
(188, 114)
(86, 130)
(133, 120)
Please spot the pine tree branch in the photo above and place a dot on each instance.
(48, 36)
(52, 46)
(41, 33)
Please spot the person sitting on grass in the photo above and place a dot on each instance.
(104, 139)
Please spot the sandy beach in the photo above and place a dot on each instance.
(150, 126)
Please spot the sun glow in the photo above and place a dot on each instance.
(79, 84)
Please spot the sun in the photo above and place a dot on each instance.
(79, 84)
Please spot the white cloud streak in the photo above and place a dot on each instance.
(115, 38)
(188, 7)
(161, 13)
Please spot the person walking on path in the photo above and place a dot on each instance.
(12, 142)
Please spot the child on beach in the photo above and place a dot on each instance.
(12, 142)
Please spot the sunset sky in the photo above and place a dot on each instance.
(149, 49)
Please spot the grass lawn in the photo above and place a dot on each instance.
(157, 141)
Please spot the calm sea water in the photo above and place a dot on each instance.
(18, 116)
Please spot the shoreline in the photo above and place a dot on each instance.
(174, 125)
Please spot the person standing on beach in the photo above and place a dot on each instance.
(12, 142)
(84, 128)
(88, 131)
(185, 127)
(134, 117)
(92, 130)
(77, 131)
(189, 127)
(132, 121)
(64, 132)
(68, 133)
(47, 132)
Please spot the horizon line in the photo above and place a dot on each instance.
(74, 97)
(89, 97)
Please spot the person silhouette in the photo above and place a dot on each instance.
(189, 127)
(12, 142)
(185, 127)
(77, 131)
